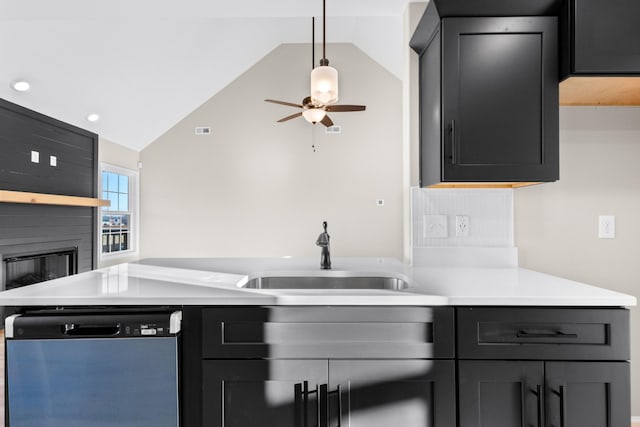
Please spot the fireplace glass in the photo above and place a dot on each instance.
(27, 269)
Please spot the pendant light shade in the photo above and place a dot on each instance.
(324, 85)
(314, 115)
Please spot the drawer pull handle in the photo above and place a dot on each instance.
(557, 334)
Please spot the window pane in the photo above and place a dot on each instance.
(123, 202)
(105, 196)
(105, 178)
(113, 198)
(113, 182)
(124, 185)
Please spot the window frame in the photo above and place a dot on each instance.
(134, 203)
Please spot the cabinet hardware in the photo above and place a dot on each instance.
(562, 406)
(338, 392)
(323, 408)
(453, 142)
(557, 334)
(298, 398)
(539, 397)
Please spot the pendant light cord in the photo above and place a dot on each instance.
(313, 42)
(324, 28)
(324, 61)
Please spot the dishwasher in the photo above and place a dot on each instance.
(90, 369)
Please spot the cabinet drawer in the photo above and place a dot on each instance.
(543, 333)
(328, 332)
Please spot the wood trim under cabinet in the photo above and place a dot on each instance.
(7, 196)
(620, 91)
(482, 184)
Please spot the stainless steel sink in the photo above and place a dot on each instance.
(327, 282)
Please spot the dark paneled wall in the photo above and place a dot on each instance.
(26, 228)
(23, 131)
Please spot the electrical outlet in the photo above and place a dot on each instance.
(435, 226)
(607, 227)
(462, 226)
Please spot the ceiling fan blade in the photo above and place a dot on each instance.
(343, 108)
(293, 116)
(327, 121)
(288, 104)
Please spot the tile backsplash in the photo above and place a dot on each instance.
(488, 214)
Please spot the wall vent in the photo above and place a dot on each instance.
(203, 130)
(335, 129)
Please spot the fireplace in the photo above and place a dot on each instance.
(27, 269)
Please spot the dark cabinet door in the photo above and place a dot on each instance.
(588, 394)
(259, 393)
(605, 36)
(500, 394)
(383, 393)
(500, 99)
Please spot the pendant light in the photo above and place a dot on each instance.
(324, 79)
(313, 115)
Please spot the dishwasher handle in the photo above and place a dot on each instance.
(75, 330)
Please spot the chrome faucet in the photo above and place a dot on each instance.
(323, 242)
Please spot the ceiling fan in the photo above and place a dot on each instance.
(324, 87)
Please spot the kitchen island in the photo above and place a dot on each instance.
(452, 346)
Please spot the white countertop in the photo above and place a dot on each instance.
(218, 281)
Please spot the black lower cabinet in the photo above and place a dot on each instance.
(552, 394)
(328, 393)
(383, 393)
(247, 393)
(585, 394)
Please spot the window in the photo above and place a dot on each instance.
(118, 221)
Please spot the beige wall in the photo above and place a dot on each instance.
(117, 155)
(256, 187)
(556, 224)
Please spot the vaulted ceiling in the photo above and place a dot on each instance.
(143, 65)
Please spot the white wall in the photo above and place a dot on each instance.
(255, 187)
(556, 224)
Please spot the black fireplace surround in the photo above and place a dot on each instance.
(42, 242)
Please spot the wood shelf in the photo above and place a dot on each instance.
(611, 91)
(7, 196)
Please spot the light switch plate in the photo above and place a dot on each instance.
(35, 156)
(53, 161)
(435, 226)
(607, 227)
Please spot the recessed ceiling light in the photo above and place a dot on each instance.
(93, 117)
(20, 85)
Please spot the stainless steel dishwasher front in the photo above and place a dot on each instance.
(93, 369)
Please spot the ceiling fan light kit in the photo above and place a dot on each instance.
(314, 115)
(324, 91)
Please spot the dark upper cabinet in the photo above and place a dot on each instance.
(488, 99)
(601, 37)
